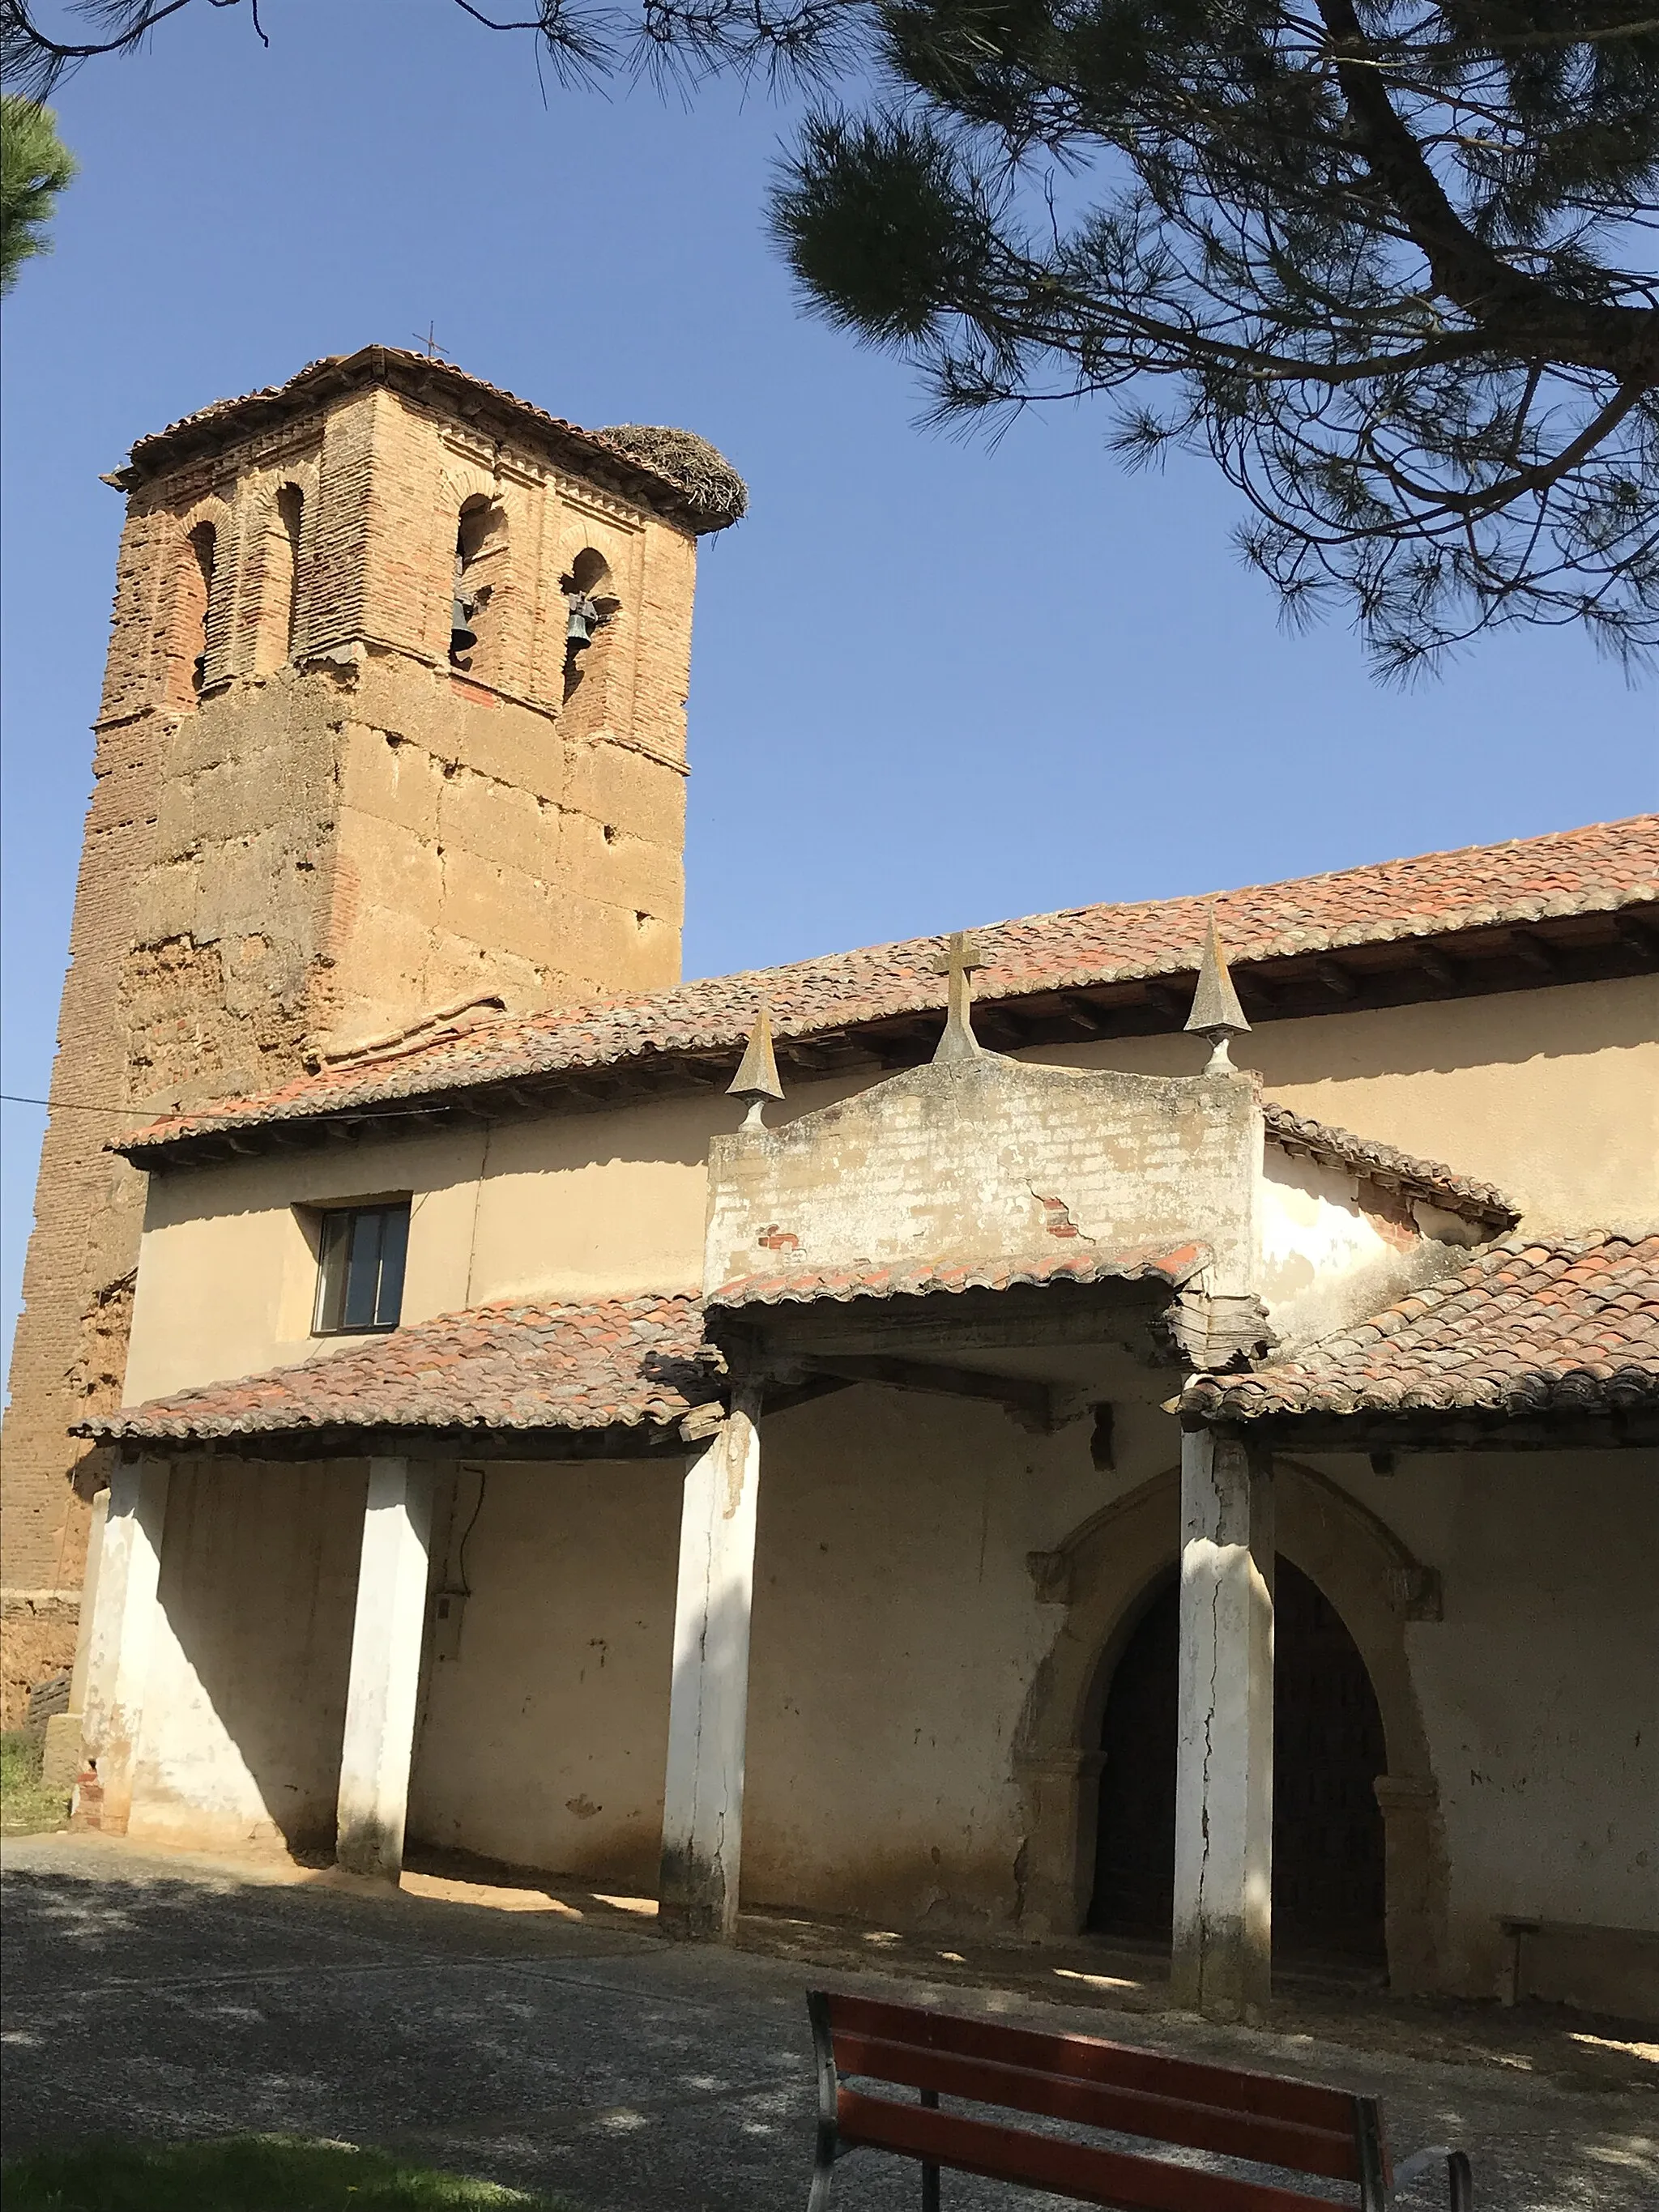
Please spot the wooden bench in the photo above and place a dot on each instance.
(1294, 2126)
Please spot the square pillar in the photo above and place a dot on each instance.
(60, 1759)
(384, 1690)
(124, 1609)
(708, 1703)
(1221, 1964)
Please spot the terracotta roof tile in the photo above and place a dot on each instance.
(807, 1285)
(1430, 1179)
(1593, 870)
(591, 452)
(1529, 1327)
(620, 1362)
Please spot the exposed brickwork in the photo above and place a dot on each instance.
(306, 827)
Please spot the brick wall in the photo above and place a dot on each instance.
(321, 844)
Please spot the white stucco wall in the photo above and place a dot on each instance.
(245, 1702)
(542, 1742)
(1540, 1688)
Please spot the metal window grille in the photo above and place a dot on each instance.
(360, 1274)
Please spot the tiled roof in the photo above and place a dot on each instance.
(1430, 1179)
(1528, 1327)
(590, 452)
(807, 1285)
(621, 1362)
(1593, 870)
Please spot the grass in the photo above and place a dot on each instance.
(247, 2173)
(25, 1807)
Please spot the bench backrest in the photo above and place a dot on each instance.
(1296, 2125)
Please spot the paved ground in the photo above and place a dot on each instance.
(161, 1996)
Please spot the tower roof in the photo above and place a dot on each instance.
(675, 473)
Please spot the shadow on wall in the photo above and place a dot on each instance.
(244, 1704)
(544, 1721)
(1506, 1028)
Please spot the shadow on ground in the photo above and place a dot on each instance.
(149, 1998)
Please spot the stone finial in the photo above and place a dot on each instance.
(960, 960)
(1216, 1013)
(756, 1078)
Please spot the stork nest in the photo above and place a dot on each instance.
(715, 493)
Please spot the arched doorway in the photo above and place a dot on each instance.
(1329, 1749)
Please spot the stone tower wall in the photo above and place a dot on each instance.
(339, 834)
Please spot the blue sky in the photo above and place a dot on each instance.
(933, 682)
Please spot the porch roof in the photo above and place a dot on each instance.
(622, 1365)
(807, 1286)
(1532, 1328)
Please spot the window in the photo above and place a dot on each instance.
(360, 1273)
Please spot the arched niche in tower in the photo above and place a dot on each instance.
(197, 626)
(591, 608)
(481, 576)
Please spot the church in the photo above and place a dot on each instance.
(1142, 1420)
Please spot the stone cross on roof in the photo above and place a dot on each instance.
(960, 961)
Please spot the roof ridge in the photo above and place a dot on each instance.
(1067, 948)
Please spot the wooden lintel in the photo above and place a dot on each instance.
(1531, 948)
(1378, 1433)
(942, 1328)
(555, 1446)
(1252, 986)
(1033, 1405)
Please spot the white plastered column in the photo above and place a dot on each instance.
(1221, 1964)
(708, 1703)
(129, 1575)
(384, 1689)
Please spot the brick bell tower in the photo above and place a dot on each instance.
(393, 726)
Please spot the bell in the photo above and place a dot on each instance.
(584, 620)
(462, 636)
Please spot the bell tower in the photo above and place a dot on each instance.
(392, 731)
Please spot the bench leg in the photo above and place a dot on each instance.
(929, 2171)
(822, 2174)
(1460, 2177)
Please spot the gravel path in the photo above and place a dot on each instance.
(161, 1996)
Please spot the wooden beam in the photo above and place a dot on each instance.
(1531, 948)
(1454, 1432)
(1033, 1405)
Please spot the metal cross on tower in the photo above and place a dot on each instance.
(961, 960)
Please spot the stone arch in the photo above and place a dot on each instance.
(1102, 1576)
